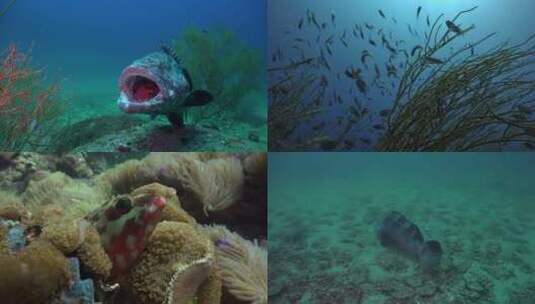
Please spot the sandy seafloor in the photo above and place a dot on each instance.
(324, 211)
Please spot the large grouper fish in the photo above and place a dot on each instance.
(158, 84)
(398, 233)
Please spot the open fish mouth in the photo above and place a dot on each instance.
(141, 90)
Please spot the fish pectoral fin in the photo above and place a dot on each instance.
(198, 98)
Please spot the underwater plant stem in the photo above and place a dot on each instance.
(293, 65)
(464, 12)
(7, 7)
(416, 69)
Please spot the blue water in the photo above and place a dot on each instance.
(512, 20)
(92, 41)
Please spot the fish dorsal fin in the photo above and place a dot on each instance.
(169, 51)
(188, 78)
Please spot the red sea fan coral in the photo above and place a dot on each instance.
(26, 104)
(13, 70)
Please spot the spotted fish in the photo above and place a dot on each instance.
(158, 84)
(397, 232)
(124, 225)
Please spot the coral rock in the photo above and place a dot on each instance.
(11, 208)
(65, 235)
(176, 266)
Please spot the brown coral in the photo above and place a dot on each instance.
(4, 249)
(78, 237)
(92, 255)
(66, 235)
(33, 276)
(11, 207)
(177, 261)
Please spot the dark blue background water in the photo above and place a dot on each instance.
(512, 20)
(85, 40)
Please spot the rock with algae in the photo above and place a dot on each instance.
(17, 168)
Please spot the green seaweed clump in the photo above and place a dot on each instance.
(221, 63)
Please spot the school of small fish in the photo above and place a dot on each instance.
(316, 40)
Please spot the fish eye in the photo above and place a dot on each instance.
(123, 205)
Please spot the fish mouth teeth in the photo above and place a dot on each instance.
(140, 86)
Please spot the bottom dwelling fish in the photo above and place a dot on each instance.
(157, 84)
(125, 226)
(398, 233)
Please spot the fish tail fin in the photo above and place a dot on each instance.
(430, 255)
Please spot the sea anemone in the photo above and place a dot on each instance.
(242, 264)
